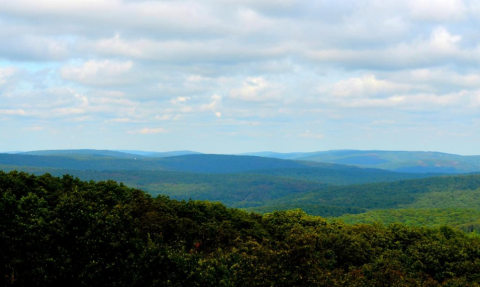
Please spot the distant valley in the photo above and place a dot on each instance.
(359, 186)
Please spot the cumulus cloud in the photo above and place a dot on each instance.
(8, 78)
(6, 74)
(99, 73)
(414, 102)
(366, 86)
(13, 112)
(184, 50)
(438, 79)
(35, 128)
(146, 131)
(310, 135)
(440, 10)
(257, 90)
(213, 105)
(440, 48)
(182, 17)
(180, 100)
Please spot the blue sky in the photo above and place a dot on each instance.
(231, 76)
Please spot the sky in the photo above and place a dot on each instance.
(233, 76)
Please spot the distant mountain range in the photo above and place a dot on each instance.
(399, 161)
(160, 154)
(235, 180)
(82, 153)
(402, 161)
(387, 186)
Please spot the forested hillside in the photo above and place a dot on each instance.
(267, 185)
(66, 232)
(202, 163)
(238, 189)
(106, 153)
(186, 163)
(466, 219)
(81, 153)
(440, 192)
(403, 161)
(343, 175)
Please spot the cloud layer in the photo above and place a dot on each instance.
(240, 75)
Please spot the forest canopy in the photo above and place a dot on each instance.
(65, 231)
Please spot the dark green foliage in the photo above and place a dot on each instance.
(342, 175)
(312, 209)
(236, 190)
(438, 192)
(467, 220)
(67, 232)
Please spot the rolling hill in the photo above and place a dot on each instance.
(401, 161)
(159, 154)
(201, 163)
(398, 161)
(81, 153)
(262, 184)
(238, 181)
(236, 190)
(189, 163)
(466, 219)
(462, 191)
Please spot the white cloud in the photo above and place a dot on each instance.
(150, 131)
(119, 120)
(13, 112)
(82, 119)
(441, 48)
(257, 90)
(214, 104)
(185, 50)
(309, 134)
(444, 42)
(164, 117)
(69, 111)
(438, 79)
(35, 128)
(414, 102)
(438, 10)
(6, 75)
(182, 17)
(98, 72)
(180, 100)
(366, 86)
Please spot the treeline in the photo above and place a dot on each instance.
(67, 232)
(311, 209)
(461, 191)
(467, 220)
